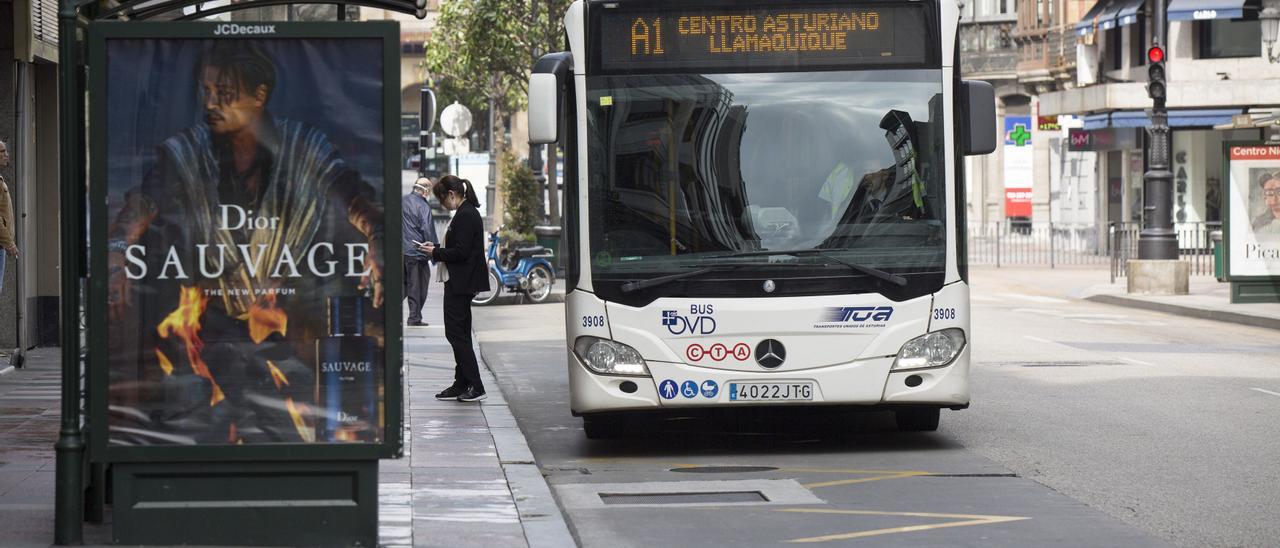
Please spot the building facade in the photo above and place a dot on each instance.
(1222, 86)
(29, 125)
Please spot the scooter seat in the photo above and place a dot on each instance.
(533, 251)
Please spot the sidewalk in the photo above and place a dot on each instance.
(1208, 298)
(467, 477)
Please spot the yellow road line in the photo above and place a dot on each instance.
(968, 520)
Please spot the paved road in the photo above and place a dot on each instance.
(1088, 429)
(1169, 423)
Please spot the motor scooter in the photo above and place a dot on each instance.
(525, 270)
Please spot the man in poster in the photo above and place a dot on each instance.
(1268, 223)
(237, 208)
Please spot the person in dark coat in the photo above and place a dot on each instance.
(465, 273)
(419, 227)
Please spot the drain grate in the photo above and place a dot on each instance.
(684, 498)
(723, 469)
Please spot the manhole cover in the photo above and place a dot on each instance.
(683, 498)
(723, 469)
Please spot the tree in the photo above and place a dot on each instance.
(482, 51)
(524, 200)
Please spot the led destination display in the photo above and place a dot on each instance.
(762, 38)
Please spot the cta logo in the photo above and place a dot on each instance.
(698, 322)
(232, 29)
(718, 352)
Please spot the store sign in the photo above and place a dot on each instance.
(1253, 210)
(1048, 123)
(1099, 140)
(245, 240)
(1018, 166)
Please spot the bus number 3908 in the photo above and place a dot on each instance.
(593, 321)
(944, 314)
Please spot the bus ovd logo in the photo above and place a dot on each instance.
(770, 354)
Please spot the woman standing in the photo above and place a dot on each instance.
(466, 273)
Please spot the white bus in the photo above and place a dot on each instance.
(764, 204)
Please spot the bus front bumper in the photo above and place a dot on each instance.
(867, 382)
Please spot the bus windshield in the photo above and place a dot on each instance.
(697, 170)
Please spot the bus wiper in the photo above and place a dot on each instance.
(632, 287)
(861, 269)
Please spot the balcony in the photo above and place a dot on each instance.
(987, 51)
(1046, 57)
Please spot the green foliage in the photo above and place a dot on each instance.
(483, 49)
(524, 200)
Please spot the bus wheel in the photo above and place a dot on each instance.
(917, 419)
(602, 428)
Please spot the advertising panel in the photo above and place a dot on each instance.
(246, 253)
(1018, 161)
(1253, 205)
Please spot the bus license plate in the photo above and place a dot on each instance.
(770, 391)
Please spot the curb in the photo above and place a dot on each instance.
(6, 370)
(541, 518)
(1188, 311)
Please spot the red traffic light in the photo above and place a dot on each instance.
(1155, 54)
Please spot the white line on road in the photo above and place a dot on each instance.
(1266, 391)
(1037, 339)
(1131, 360)
(1035, 298)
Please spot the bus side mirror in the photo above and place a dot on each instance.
(978, 111)
(544, 121)
(551, 73)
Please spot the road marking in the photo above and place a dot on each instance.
(1037, 339)
(1266, 391)
(1131, 360)
(968, 520)
(875, 475)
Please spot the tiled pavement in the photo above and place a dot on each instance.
(467, 477)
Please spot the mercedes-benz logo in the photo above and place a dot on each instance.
(770, 286)
(770, 354)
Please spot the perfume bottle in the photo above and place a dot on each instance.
(347, 382)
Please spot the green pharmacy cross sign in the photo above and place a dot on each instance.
(1020, 136)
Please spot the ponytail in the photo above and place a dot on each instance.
(470, 196)
(459, 186)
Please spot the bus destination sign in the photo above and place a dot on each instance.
(761, 38)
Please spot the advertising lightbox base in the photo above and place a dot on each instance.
(303, 503)
(1255, 292)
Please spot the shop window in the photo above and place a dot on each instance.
(1227, 38)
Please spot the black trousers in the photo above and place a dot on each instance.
(417, 279)
(457, 330)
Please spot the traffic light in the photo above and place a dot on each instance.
(1155, 75)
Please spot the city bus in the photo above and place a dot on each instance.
(764, 205)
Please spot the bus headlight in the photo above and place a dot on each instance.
(934, 349)
(610, 357)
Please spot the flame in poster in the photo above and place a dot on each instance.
(264, 319)
(184, 323)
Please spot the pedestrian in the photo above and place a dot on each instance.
(7, 244)
(465, 273)
(419, 228)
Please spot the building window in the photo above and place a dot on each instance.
(1225, 38)
(1114, 53)
(1138, 38)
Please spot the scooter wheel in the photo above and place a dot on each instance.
(539, 283)
(495, 289)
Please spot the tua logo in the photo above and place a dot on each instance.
(859, 314)
(698, 322)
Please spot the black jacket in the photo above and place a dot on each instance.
(468, 269)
